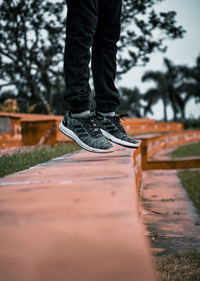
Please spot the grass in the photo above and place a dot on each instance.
(190, 178)
(19, 161)
(192, 124)
(187, 150)
(191, 181)
(179, 267)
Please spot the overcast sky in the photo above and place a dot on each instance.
(180, 51)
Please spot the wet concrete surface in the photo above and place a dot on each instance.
(172, 220)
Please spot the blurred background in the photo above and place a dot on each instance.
(158, 60)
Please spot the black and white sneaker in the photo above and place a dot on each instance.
(113, 130)
(85, 132)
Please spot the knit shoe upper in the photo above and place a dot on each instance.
(85, 131)
(113, 130)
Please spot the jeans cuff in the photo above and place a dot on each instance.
(77, 108)
(106, 107)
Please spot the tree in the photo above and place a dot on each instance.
(196, 77)
(171, 76)
(140, 26)
(32, 36)
(188, 85)
(130, 101)
(176, 86)
(183, 88)
(153, 95)
(166, 83)
(191, 78)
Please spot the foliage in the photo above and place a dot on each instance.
(191, 80)
(192, 124)
(9, 105)
(144, 31)
(159, 92)
(130, 102)
(175, 87)
(32, 36)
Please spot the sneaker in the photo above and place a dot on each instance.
(113, 130)
(85, 132)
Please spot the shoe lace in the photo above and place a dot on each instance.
(118, 117)
(98, 116)
(121, 116)
(92, 125)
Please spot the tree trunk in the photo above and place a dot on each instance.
(165, 109)
(183, 113)
(173, 103)
(174, 112)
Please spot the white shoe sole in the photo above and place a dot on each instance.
(73, 136)
(118, 141)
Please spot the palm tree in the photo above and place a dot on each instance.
(171, 76)
(196, 76)
(153, 95)
(130, 101)
(170, 88)
(184, 89)
(191, 78)
(176, 86)
(188, 85)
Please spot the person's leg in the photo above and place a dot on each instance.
(78, 123)
(81, 25)
(104, 50)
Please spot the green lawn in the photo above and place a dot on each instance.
(191, 181)
(19, 161)
(179, 267)
(190, 178)
(187, 150)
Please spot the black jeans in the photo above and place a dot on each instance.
(95, 24)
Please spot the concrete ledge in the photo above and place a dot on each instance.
(144, 126)
(137, 166)
(38, 132)
(154, 144)
(74, 217)
(10, 131)
(187, 163)
(44, 129)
